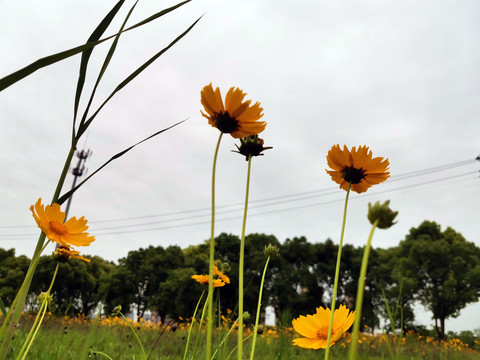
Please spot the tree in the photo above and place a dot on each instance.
(12, 273)
(442, 269)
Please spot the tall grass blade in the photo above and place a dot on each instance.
(65, 196)
(97, 33)
(2, 308)
(83, 127)
(105, 64)
(18, 75)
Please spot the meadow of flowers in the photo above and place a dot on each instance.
(329, 332)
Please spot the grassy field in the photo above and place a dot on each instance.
(67, 338)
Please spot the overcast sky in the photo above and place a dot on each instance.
(398, 76)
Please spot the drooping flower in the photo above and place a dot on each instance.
(204, 279)
(50, 219)
(236, 117)
(356, 167)
(314, 327)
(251, 146)
(66, 253)
(221, 275)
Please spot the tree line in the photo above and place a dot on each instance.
(438, 268)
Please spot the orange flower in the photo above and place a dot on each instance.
(314, 327)
(356, 167)
(66, 252)
(221, 275)
(51, 220)
(204, 279)
(236, 117)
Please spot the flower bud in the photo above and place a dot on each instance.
(45, 296)
(251, 146)
(246, 316)
(116, 310)
(382, 213)
(271, 250)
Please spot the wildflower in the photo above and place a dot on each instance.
(236, 118)
(204, 279)
(382, 213)
(314, 328)
(221, 275)
(50, 219)
(251, 146)
(65, 253)
(356, 167)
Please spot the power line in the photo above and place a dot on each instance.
(297, 197)
(99, 232)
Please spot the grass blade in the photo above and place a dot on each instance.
(2, 308)
(18, 75)
(65, 196)
(97, 33)
(83, 127)
(106, 62)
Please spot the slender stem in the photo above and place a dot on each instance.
(240, 266)
(39, 319)
(6, 334)
(337, 273)
(134, 333)
(200, 325)
(258, 309)
(191, 325)
(101, 353)
(231, 352)
(224, 339)
(208, 351)
(360, 291)
(14, 303)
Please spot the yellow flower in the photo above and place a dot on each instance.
(51, 220)
(314, 327)
(66, 252)
(236, 118)
(204, 279)
(356, 167)
(221, 275)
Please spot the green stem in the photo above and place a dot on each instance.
(191, 325)
(208, 351)
(240, 266)
(337, 273)
(224, 339)
(200, 325)
(135, 334)
(360, 291)
(6, 334)
(38, 320)
(235, 348)
(258, 309)
(101, 353)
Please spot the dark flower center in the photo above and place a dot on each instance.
(225, 123)
(353, 175)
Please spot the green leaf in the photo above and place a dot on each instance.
(18, 75)
(84, 125)
(97, 33)
(2, 308)
(103, 69)
(65, 196)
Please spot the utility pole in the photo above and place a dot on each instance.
(77, 172)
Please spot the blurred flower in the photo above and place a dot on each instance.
(251, 146)
(382, 213)
(221, 275)
(356, 167)
(51, 220)
(204, 279)
(314, 327)
(66, 253)
(236, 118)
